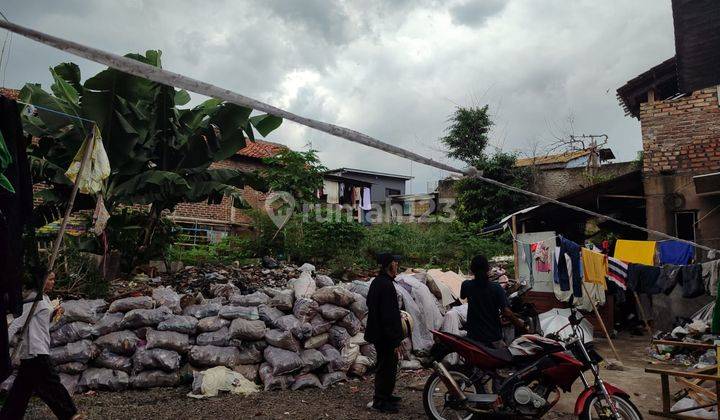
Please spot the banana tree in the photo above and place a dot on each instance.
(160, 154)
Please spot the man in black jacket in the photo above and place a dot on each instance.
(384, 330)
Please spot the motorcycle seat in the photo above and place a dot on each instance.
(500, 354)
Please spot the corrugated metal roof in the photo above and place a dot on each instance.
(552, 159)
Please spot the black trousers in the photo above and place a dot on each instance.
(38, 376)
(386, 372)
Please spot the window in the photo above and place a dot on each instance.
(685, 225)
(391, 191)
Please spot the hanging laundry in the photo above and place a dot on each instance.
(528, 258)
(692, 281)
(330, 188)
(617, 272)
(643, 278)
(541, 255)
(710, 274)
(96, 170)
(675, 252)
(562, 295)
(595, 267)
(595, 294)
(100, 216)
(638, 252)
(669, 277)
(570, 250)
(556, 261)
(366, 202)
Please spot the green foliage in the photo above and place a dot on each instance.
(159, 153)
(478, 201)
(468, 133)
(227, 251)
(125, 228)
(299, 173)
(445, 245)
(80, 275)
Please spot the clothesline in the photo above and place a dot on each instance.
(56, 112)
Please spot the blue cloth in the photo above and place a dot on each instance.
(569, 249)
(674, 252)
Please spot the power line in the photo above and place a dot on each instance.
(167, 77)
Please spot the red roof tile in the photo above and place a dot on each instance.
(10, 93)
(260, 149)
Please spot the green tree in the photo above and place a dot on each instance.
(478, 201)
(468, 133)
(160, 154)
(299, 173)
(466, 139)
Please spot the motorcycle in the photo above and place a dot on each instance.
(523, 380)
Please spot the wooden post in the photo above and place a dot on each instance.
(515, 246)
(642, 314)
(59, 239)
(602, 323)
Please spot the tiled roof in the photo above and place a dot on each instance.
(10, 93)
(552, 159)
(260, 149)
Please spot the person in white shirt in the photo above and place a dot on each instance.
(37, 374)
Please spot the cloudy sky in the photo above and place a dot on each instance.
(392, 69)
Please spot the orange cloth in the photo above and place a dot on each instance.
(595, 267)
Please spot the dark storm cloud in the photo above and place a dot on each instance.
(476, 12)
(391, 69)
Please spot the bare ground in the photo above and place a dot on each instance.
(345, 401)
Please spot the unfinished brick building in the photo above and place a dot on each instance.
(677, 103)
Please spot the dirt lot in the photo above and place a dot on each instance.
(345, 401)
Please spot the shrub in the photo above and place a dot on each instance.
(124, 232)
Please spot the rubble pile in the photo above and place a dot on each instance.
(695, 330)
(199, 279)
(307, 333)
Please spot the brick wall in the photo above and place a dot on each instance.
(682, 135)
(224, 211)
(556, 183)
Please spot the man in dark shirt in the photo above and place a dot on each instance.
(486, 302)
(384, 330)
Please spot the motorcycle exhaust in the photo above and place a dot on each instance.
(450, 382)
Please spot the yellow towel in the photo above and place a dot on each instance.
(639, 252)
(595, 267)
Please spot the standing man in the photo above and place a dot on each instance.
(37, 373)
(384, 330)
(486, 302)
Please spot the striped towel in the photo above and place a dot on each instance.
(617, 272)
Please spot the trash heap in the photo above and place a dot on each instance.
(696, 330)
(307, 334)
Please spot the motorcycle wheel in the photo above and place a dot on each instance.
(436, 395)
(596, 408)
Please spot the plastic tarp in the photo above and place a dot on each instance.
(446, 281)
(209, 383)
(422, 339)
